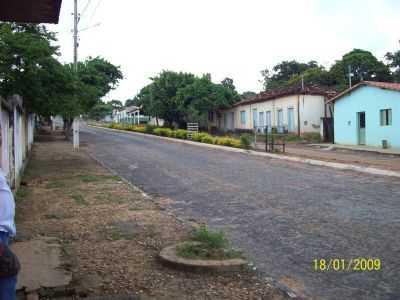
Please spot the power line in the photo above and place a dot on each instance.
(95, 10)
(85, 8)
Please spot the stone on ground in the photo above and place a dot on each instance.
(41, 265)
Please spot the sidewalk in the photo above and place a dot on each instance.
(346, 154)
(110, 233)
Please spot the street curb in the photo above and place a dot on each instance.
(169, 257)
(313, 162)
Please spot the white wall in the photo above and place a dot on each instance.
(312, 108)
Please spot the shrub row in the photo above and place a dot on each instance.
(223, 141)
(182, 134)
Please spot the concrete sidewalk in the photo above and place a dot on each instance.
(359, 148)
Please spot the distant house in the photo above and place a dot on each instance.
(368, 114)
(295, 109)
(134, 115)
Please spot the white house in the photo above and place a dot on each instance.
(133, 114)
(295, 109)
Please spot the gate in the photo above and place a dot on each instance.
(192, 128)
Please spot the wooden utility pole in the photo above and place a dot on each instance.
(75, 124)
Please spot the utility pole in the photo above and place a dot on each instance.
(75, 124)
(349, 76)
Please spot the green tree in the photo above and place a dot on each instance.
(394, 63)
(248, 94)
(200, 97)
(283, 72)
(100, 111)
(116, 104)
(364, 66)
(228, 82)
(28, 67)
(317, 75)
(130, 102)
(159, 97)
(26, 61)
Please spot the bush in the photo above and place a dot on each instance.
(210, 238)
(245, 140)
(149, 128)
(230, 142)
(163, 131)
(199, 136)
(181, 134)
(208, 139)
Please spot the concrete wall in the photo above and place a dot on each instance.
(17, 132)
(312, 108)
(369, 100)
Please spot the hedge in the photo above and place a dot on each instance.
(201, 137)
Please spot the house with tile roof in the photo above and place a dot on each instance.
(296, 109)
(368, 114)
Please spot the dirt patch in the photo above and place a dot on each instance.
(111, 234)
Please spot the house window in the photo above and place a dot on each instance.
(243, 117)
(386, 117)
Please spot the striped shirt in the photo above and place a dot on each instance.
(7, 207)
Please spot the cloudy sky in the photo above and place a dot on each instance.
(227, 38)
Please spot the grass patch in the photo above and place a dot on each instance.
(206, 244)
(22, 193)
(79, 199)
(57, 184)
(95, 178)
(54, 216)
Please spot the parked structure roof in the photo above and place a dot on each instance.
(297, 89)
(30, 11)
(383, 85)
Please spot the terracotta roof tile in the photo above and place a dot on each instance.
(383, 85)
(288, 91)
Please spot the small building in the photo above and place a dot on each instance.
(368, 114)
(295, 109)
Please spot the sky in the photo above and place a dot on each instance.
(226, 38)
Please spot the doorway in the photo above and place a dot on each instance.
(361, 127)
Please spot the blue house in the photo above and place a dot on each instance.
(368, 114)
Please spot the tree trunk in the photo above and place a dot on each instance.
(68, 128)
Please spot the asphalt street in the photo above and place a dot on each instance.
(283, 215)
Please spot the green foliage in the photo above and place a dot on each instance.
(283, 72)
(28, 67)
(200, 97)
(163, 131)
(149, 128)
(394, 62)
(181, 134)
(100, 110)
(247, 95)
(245, 140)
(116, 104)
(227, 141)
(210, 238)
(197, 137)
(364, 66)
(182, 97)
(208, 139)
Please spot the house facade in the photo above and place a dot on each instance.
(294, 109)
(368, 114)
